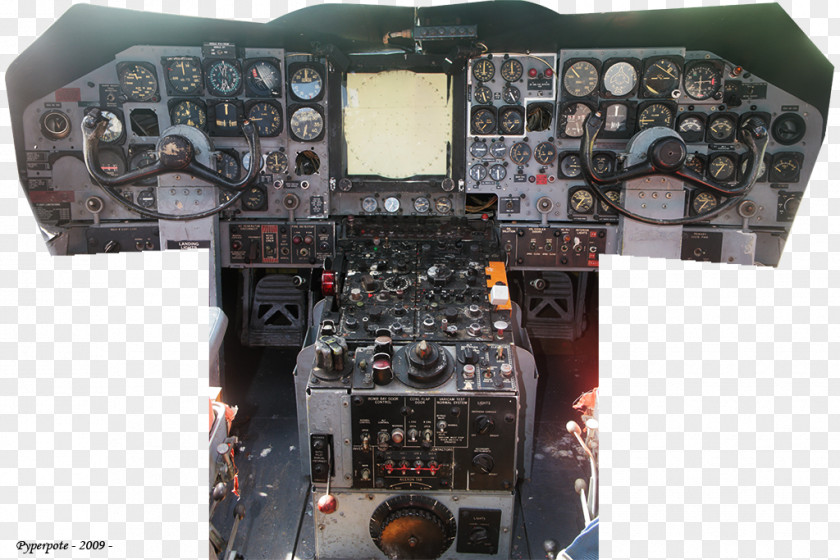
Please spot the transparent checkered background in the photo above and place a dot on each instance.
(716, 388)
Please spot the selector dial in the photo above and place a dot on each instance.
(484, 463)
(412, 527)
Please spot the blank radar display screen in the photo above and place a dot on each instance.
(397, 124)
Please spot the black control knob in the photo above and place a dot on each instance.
(479, 536)
(470, 356)
(484, 424)
(451, 313)
(484, 463)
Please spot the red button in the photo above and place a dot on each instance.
(296, 240)
(549, 73)
(308, 240)
(532, 72)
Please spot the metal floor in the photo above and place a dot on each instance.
(278, 523)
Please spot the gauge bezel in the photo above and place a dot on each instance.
(612, 158)
(474, 92)
(152, 193)
(609, 63)
(790, 115)
(549, 162)
(254, 102)
(135, 151)
(486, 148)
(563, 117)
(235, 155)
(648, 63)
(121, 67)
(48, 133)
(731, 117)
(607, 213)
(476, 108)
(447, 201)
(774, 175)
(520, 110)
(560, 158)
(703, 159)
(249, 90)
(172, 103)
(672, 105)
(292, 109)
(690, 64)
(171, 90)
(527, 159)
(293, 67)
(592, 95)
(208, 64)
(285, 155)
(118, 112)
(691, 210)
(473, 64)
(710, 157)
(571, 210)
(507, 59)
(255, 187)
(693, 137)
(118, 152)
(417, 210)
(216, 130)
(629, 124)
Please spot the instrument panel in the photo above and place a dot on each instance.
(514, 154)
(210, 88)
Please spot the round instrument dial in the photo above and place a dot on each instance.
(575, 116)
(661, 77)
(306, 83)
(603, 208)
(722, 129)
(306, 124)
(581, 201)
(223, 78)
(788, 128)
(602, 164)
(227, 166)
(114, 131)
(246, 161)
(478, 172)
(657, 114)
(620, 79)
(520, 153)
(146, 198)
(263, 79)
(498, 172)
(570, 166)
(702, 80)
(184, 75)
(138, 82)
(616, 118)
(511, 94)
(478, 149)
(392, 204)
(422, 204)
(111, 162)
(511, 122)
(511, 70)
(786, 169)
(190, 113)
(691, 128)
(277, 163)
(580, 79)
(443, 205)
(55, 125)
(483, 70)
(696, 163)
(141, 160)
(369, 204)
(544, 153)
(266, 117)
(483, 121)
(703, 202)
(254, 198)
(483, 95)
(722, 168)
(498, 149)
